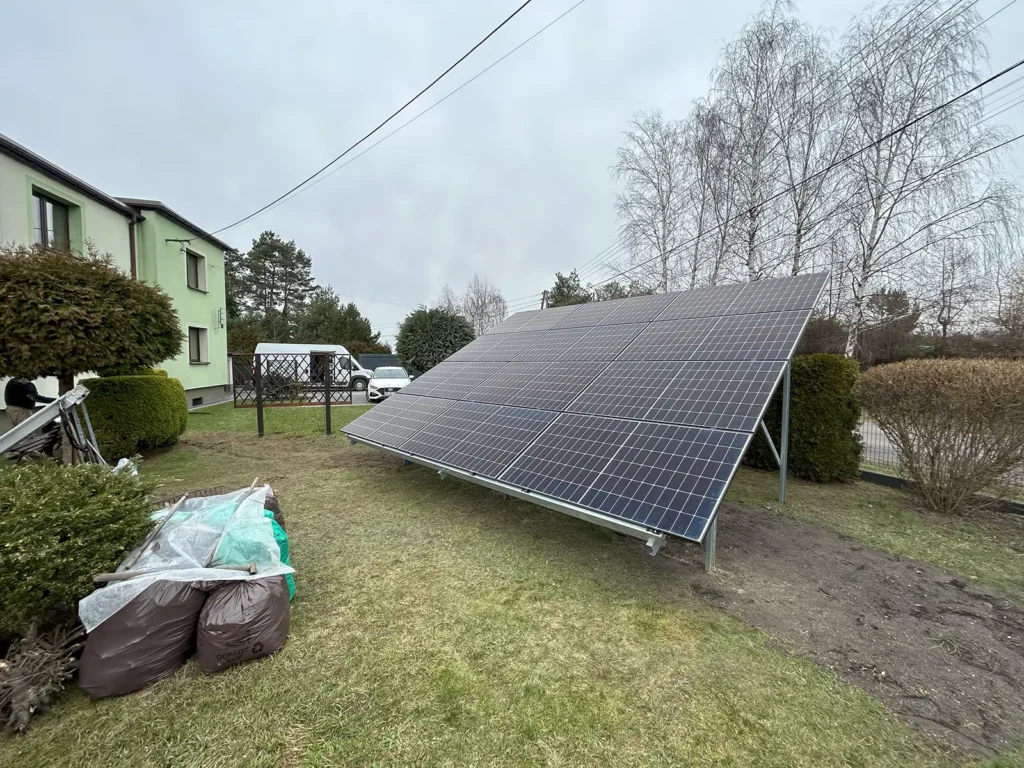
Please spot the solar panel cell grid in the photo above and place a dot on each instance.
(479, 437)
(552, 345)
(587, 315)
(603, 343)
(549, 318)
(474, 349)
(625, 389)
(514, 323)
(723, 395)
(503, 385)
(769, 336)
(510, 346)
(469, 378)
(667, 476)
(641, 309)
(557, 385)
(418, 413)
(433, 380)
(568, 457)
(368, 424)
(800, 292)
(704, 302)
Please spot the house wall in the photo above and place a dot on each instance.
(89, 219)
(162, 263)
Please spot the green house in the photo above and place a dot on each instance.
(42, 203)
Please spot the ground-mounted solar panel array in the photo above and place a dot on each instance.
(638, 409)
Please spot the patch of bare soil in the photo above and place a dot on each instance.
(946, 656)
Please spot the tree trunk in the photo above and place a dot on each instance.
(65, 383)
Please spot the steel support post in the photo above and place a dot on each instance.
(710, 541)
(784, 438)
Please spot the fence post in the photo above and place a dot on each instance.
(258, 378)
(328, 369)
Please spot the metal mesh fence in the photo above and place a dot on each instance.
(280, 379)
(880, 455)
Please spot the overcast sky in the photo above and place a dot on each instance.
(216, 109)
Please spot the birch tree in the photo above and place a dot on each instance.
(919, 181)
(483, 305)
(650, 166)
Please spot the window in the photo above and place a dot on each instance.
(195, 271)
(197, 347)
(51, 222)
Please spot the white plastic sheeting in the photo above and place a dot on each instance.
(183, 545)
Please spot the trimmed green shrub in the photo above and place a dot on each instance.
(957, 425)
(428, 336)
(61, 526)
(823, 416)
(133, 413)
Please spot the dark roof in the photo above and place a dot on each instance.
(155, 205)
(41, 164)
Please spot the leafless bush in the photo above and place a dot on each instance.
(958, 425)
(34, 672)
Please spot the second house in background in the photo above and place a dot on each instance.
(188, 264)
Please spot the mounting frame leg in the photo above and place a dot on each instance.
(710, 542)
(784, 437)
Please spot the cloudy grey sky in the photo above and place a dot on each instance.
(216, 109)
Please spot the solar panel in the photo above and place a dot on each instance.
(603, 343)
(668, 477)
(510, 345)
(515, 322)
(765, 336)
(479, 437)
(475, 348)
(468, 379)
(506, 383)
(723, 395)
(637, 410)
(590, 314)
(398, 418)
(434, 379)
(641, 309)
(567, 458)
(549, 318)
(557, 385)
(799, 292)
(704, 302)
(707, 393)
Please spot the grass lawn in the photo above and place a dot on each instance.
(438, 624)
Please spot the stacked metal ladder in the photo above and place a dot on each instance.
(75, 424)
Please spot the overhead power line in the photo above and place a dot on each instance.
(440, 101)
(836, 164)
(383, 123)
(834, 77)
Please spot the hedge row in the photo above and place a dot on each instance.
(823, 417)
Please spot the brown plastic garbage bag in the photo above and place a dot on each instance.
(273, 505)
(145, 641)
(242, 620)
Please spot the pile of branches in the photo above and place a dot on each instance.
(35, 670)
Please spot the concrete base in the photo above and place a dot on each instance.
(202, 396)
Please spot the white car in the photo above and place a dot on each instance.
(386, 381)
